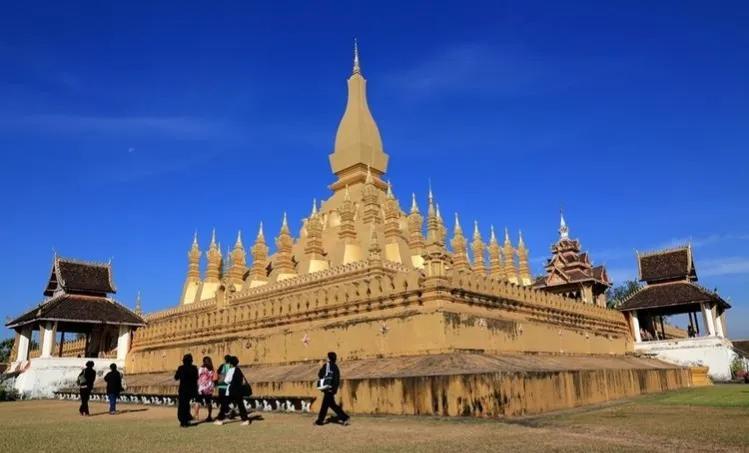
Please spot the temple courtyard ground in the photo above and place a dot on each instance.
(702, 419)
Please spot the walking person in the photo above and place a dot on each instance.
(206, 382)
(114, 387)
(223, 402)
(237, 387)
(330, 379)
(86, 384)
(187, 375)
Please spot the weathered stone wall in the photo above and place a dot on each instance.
(365, 311)
(461, 384)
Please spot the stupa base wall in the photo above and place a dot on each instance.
(460, 384)
(431, 328)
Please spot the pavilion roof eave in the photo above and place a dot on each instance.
(73, 321)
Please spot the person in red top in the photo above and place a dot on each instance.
(206, 381)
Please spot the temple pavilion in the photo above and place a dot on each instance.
(671, 289)
(78, 300)
(571, 273)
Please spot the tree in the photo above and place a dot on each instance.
(6, 346)
(617, 294)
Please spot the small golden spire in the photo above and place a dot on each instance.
(284, 224)
(458, 229)
(213, 237)
(239, 239)
(476, 233)
(195, 238)
(414, 206)
(492, 236)
(314, 207)
(390, 191)
(260, 234)
(357, 68)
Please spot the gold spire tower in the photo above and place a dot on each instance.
(238, 263)
(415, 234)
(524, 269)
(357, 143)
(259, 251)
(313, 249)
(213, 270)
(477, 246)
(495, 259)
(283, 264)
(511, 274)
(458, 243)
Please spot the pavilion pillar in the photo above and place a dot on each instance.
(635, 323)
(123, 342)
(47, 337)
(24, 343)
(718, 323)
(707, 312)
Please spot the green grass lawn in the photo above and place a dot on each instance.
(702, 419)
(721, 395)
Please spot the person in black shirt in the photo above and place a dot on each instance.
(114, 387)
(187, 375)
(86, 384)
(235, 392)
(331, 372)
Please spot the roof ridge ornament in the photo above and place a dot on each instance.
(564, 231)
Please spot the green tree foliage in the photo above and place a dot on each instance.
(617, 294)
(6, 346)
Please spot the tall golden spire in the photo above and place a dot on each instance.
(370, 199)
(357, 142)
(434, 233)
(313, 247)
(508, 251)
(284, 263)
(213, 269)
(415, 234)
(524, 270)
(495, 259)
(259, 251)
(193, 260)
(477, 246)
(460, 254)
(238, 262)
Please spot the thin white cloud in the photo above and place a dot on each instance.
(731, 265)
(177, 127)
(471, 67)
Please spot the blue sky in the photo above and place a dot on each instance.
(125, 127)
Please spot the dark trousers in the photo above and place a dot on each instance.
(238, 401)
(85, 395)
(328, 402)
(112, 402)
(183, 409)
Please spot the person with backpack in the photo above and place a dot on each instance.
(187, 375)
(330, 379)
(114, 387)
(237, 389)
(85, 383)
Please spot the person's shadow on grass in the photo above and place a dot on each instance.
(126, 411)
